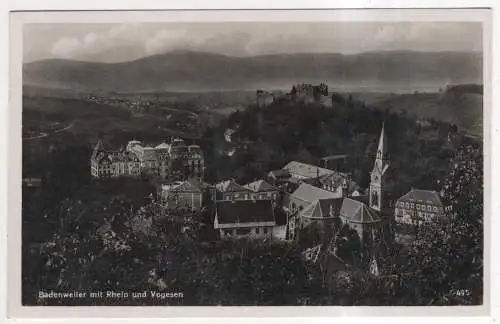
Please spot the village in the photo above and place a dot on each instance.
(286, 206)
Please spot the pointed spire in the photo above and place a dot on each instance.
(382, 144)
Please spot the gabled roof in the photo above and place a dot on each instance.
(187, 186)
(244, 212)
(230, 186)
(260, 186)
(305, 170)
(358, 212)
(309, 193)
(426, 196)
(323, 208)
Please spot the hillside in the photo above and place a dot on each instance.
(196, 71)
(460, 105)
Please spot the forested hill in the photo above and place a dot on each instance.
(268, 138)
(196, 71)
(461, 105)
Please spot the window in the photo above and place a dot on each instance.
(412, 205)
(429, 208)
(407, 205)
(265, 230)
(257, 230)
(435, 209)
(418, 206)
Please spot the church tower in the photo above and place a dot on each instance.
(377, 176)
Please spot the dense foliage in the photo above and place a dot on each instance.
(87, 235)
(270, 137)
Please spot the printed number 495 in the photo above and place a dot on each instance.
(462, 292)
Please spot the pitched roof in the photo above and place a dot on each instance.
(427, 196)
(230, 186)
(323, 208)
(382, 142)
(358, 212)
(188, 186)
(260, 186)
(241, 212)
(309, 193)
(305, 170)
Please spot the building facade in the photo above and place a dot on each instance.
(186, 194)
(137, 159)
(262, 190)
(244, 218)
(230, 190)
(418, 207)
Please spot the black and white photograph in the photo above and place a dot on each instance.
(252, 162)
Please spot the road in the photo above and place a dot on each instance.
(44, 135)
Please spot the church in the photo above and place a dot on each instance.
(366, 214)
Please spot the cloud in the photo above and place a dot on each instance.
(66, 47)
(165, 40)
(130, 41)
(94, 43)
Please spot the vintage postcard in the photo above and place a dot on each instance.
(250, 158)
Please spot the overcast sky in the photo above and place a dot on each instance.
(123, 42)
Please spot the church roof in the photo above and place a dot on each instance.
(323, 208)
(382, 142)
(358, 212)
(427, 196)
(260, 186)
(309, 193)
(230, 186)
(306, 170)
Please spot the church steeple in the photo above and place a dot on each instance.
(382, 143)
(377, 176)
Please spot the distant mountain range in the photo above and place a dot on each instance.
(197, 71)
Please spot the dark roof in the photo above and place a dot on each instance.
(427, 196)
(244, 211)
